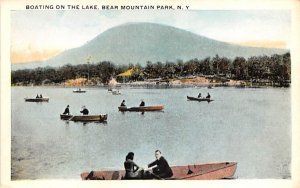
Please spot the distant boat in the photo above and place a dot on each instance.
(36, 99)
(116, 92)
(199, 99)
(79, 91)
(141, 108)
(208, 171)
(84, 118)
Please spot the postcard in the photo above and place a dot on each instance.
(150, 93)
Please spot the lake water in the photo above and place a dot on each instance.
(250, 126)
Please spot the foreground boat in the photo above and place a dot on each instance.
(141, 108)
(208, 171)
(37, 99)
(85, 118)
(199, 99)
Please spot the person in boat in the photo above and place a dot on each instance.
(41, 96)
(199, 96)
(37, 96)
(208, 96)
(142, 103)
(84, 111)
(162, 169)
(132, 170)
(67, 111)
(123, 103)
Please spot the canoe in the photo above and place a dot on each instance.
(208, 171)
(141, 108)
(79, 91)
(199, 99)
(37, 99)
(85, 118)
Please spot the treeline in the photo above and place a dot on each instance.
(275, 68)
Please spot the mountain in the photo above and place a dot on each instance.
(142, 42)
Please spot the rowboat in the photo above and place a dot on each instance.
(79, 91)
(85, 118)
(116, 92)
(141, 108)
(37, 99)
(199, 99)
(208, 171)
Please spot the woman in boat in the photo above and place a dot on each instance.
(199, 96)
(162, 169)
(67, 111)
(142, 103)
(37, 96)
(41, 96)
(208, 96)
(123, 103)
(133, 171)
(85, 111)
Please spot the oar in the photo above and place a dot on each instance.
(70, 119)
(158, 177)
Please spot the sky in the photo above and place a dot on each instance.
(41, 34)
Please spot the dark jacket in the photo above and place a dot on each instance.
(163, 169)
(67, 111)
(85, 111)
(142, 103)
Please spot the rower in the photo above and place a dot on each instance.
(199, 96)
(142, 103)
(67, 111)
(85, 111)
(123, 103)
(208, 96)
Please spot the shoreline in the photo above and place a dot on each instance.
(185, 82)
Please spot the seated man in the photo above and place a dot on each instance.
(67, 111)
(162, 169)
(142, 103)
(208, 96)
(84, 111)
(123, 103)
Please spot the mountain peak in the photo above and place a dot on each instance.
(139, 42)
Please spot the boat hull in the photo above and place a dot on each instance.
(209, 171)
(199, 99)
(141, 109)
(84, 118)
(75, 91)
(36, 99)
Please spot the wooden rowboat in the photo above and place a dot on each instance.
(37, 99)
(84, 118)
(79, 91)
(199, 99)
(141, 108)
(209, 171)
